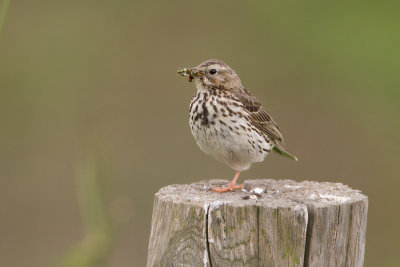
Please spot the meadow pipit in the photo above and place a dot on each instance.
(228, 122)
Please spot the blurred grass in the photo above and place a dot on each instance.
(95, 247)
(3, 12)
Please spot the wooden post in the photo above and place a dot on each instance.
(269, 223)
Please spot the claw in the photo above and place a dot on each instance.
(230, 187)
(226, 189)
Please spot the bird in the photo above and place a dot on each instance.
(228, 122)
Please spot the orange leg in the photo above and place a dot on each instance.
(230, 187)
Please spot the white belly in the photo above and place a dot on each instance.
(230, 138)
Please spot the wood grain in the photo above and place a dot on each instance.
(288, 224)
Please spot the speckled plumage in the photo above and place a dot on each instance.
(227, 121)
(222, 129)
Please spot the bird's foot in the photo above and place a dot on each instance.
(231, 187)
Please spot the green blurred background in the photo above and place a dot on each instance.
(94, 119)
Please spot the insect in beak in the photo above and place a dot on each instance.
(186, 72)
(191, 73)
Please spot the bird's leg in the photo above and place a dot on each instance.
(230, 187)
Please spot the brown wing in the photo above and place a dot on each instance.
(260, 118)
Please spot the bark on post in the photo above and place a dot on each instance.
(287, 224)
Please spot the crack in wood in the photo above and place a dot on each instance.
(292, 224)
(207, 237)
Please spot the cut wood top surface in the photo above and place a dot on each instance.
(269, 223)
(279, 193)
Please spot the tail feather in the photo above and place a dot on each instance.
(283, 152)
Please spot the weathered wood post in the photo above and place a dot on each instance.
(270, 223)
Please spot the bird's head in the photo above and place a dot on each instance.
(212, 74)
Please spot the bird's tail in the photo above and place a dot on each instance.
(280, 150)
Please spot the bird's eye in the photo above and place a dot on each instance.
(213, 71)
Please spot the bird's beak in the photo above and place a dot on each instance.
(191, 72)
(195, 72)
